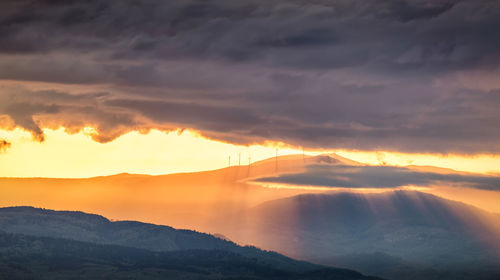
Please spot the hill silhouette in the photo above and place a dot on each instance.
(32, 257)
(184, 200)
(390, 234)
(395, 234)
(99, 230)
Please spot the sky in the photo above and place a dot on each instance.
(90, 88)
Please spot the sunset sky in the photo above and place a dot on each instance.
(150, 87)
(77, 155)
(250, 139)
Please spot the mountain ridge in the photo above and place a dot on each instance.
(416, 229)
(80, 226)
(31, 257)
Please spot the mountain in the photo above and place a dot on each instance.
(184, 200)
(97, 229)
(395, 234)
(402, 234)
(32, 257)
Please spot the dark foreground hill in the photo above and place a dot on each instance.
(97, 229)
(45, 244)
(31, 257)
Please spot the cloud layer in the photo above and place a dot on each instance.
(412, 76)
(346, 176)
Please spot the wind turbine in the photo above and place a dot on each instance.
(276, 159)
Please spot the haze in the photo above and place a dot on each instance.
(350, 133)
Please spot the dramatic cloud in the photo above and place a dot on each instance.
(345, 176)
(383, 74)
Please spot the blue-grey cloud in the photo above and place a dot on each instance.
(354, 74)
(345, 176)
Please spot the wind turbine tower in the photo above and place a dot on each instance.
(248, 170)
(276, 167)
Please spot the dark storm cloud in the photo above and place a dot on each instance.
(22, 113)
(344, 176)
(382, 74)
(36, 109)
(203, 117)
(243, 30)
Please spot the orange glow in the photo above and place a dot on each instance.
(487, 200)
(64, 155)
(185, 200)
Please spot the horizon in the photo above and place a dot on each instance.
(116, 160)
(246, 118)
